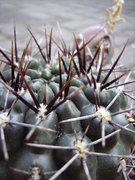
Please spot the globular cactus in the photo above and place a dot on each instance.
(64, 118)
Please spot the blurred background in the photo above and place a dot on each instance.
(72, 15)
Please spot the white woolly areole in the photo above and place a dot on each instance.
(129, 118)
(20, 92)
(4, 119)
(16, 64)
(41, 112)
(103, 114)
(35, 173)
(81, 149)
(98, 86)
(122, 165)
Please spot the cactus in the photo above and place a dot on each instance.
(65, 116)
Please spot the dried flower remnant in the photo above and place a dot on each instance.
(114, 14)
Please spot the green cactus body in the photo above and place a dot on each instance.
(108, 166)
(26, 161)
(40, 136)
(4, 171)
(76, 168)
(66, 111)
